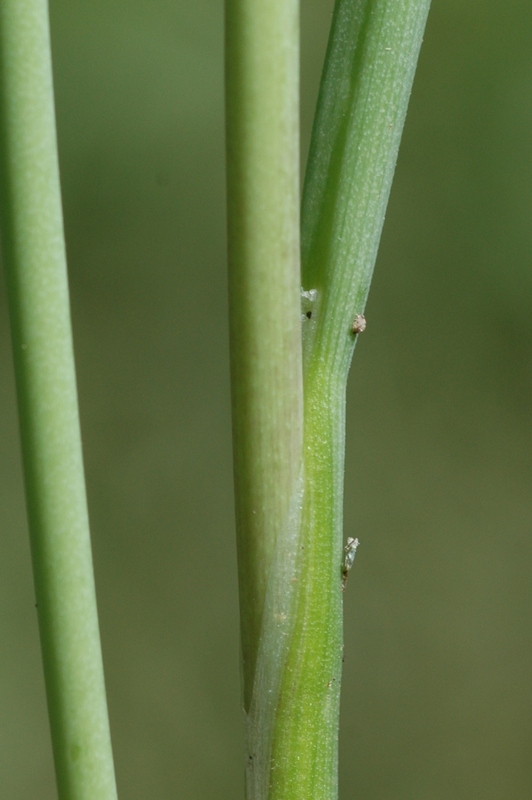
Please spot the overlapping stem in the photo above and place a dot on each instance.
(289, 511)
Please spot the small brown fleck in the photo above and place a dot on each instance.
(359, 324)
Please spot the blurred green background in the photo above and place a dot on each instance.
(437, 699)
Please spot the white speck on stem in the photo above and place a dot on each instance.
(350, 551)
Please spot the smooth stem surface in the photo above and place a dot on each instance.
(262, 86)
(34, 258)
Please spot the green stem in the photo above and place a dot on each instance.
(289, 510)
(367, 80)
(262, 85)
(34, 256)
(368, 74)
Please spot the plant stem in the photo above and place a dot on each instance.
(367, 80)
(290, 529)
(368, 74)
(262, 85)
(34, 257)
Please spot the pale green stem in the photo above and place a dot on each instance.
(262, 86)
(35, 265)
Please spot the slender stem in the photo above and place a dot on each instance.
(367, 80)
(34, 255)
(368, 74)
(289, 509)
(262, 84)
